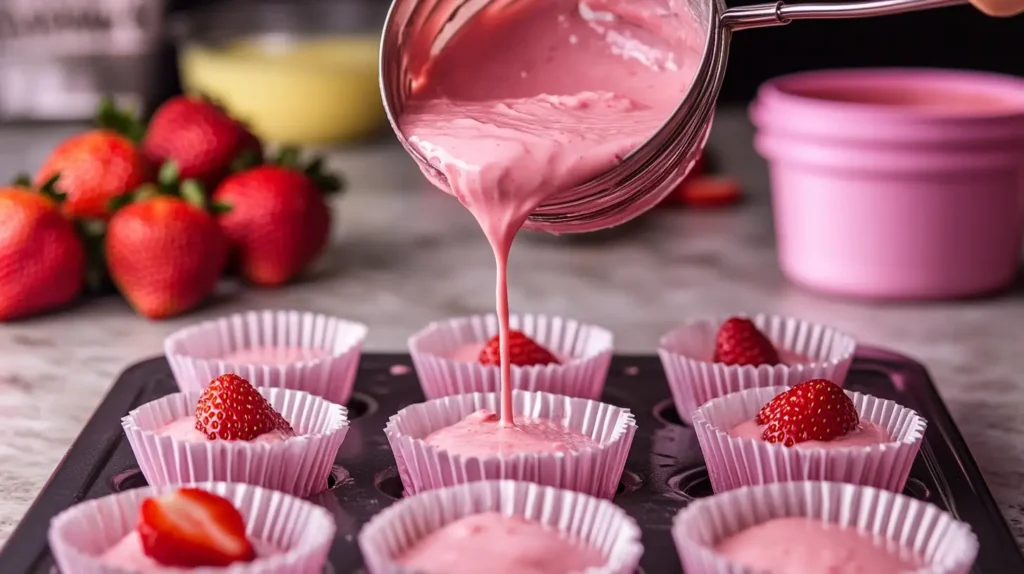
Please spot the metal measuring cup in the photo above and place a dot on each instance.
(644, 177)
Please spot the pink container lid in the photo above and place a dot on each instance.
(894, 106)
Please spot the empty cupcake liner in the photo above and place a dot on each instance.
(299, 465)
(734, 462)
(595, 470)
(686, 354)
(597, 523)
(586, 348)
(943, 543)
(301, 531)
(195, 353)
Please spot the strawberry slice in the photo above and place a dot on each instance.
(523, 351)
(813, 410)
(740, 343)
(232, 409)
(191, 528)
(709, 191)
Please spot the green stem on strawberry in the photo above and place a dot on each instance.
(49, 189)
(118, 120)
(327, 182)
(22, 180)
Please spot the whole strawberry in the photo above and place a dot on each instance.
(200, 137)
(740, 343)
(278, 220)
(523, 351)
(164, 254)
(232, 409)
(42, 257)
(816, 410)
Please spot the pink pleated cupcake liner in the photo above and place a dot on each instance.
(686, 355)
(298, 465)
(594, 471)
(899, 523)
(195, 353)
(586, 348)
(734, 462)
(585, 519)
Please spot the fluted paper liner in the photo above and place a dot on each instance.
(302, 532)
(686, 355)
(195, 352)
(594, 470)
(588, 350)
(899, 523)
(299, 465)
(734, 462)
(594, 522)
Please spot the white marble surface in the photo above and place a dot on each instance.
(405, 255)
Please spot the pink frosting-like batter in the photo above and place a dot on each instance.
(275, 356)
(799, 545)
(470, 353)
(510, 128)
(129, 555)
(497, 544)
(867, 434)
(184, 429)
(483, 434)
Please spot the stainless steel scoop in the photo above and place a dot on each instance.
(644, 177)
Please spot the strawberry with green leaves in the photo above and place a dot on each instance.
(278, 219)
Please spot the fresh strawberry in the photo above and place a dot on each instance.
(709, 191)
(94, 168)
(232, 409)
(523, 351)
(813, 410)
(42, 256)
(203, 139)
(278, 220)
(164, 253)
(192, 528)
(740, 343)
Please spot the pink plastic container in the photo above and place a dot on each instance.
(895, 183)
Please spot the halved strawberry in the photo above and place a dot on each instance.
(813, 410)
(709, 191)
(191, 528)
(232, 409)
(740, 343)
(523, 351)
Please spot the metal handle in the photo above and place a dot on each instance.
(779, 13)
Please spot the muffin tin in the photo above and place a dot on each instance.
(664, 470)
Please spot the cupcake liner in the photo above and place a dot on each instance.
(582, 518)
(734, 462)
(694, 379)
(303, 531)
(945, 544)
(593, 471)
(587, 347)
(299, 465)
(195, 352)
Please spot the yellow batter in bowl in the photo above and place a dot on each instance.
(292, 90)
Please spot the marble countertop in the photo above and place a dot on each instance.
(405, 254)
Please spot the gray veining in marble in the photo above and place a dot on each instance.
(406, 254)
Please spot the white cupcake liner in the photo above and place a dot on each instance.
(299, 465)
(686, 355)
(302, 531)
(597, 523)
(195, 352)
(945, 544)
(594, 471)
(587, 347)
(734, 462)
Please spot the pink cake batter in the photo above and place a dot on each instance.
(867, 434)
(483, 435)
(497, 544)
(274, 355)
(799, 545)
(470, 353)
(129, 555)
(184, 429)
(510, 128)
